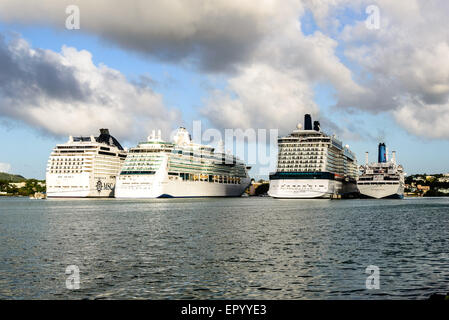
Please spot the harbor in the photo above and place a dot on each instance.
(310, 164)
(223, 248)
(236, 159)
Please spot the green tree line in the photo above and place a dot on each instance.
(31, 186)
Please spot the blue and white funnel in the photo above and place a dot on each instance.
(382, 153)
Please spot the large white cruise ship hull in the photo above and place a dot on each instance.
(309, 185)
(84, 167)
(151, 186)
(379, 191)
(80, 186)
(382, 179)
(304, 188)
(181, 169)
(312, 164)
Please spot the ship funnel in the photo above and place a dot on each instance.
(316, 126)
(386, 154)
(382, 157)
(393, 156)
(366, 158)
(104, 131)
(307, 122)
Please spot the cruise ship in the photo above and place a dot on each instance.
(383, 179)
(161, 169)
(312, 164)
(85, 167)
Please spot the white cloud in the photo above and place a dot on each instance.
(272, 65)
(401, 68)
(260, 96)
(5, 167)
(405, 66)
(66, 93)
(216, 34)
(429, 121)
(277, 87)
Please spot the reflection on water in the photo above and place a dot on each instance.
(240, 248)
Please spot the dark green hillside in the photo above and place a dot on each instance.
(11, 177)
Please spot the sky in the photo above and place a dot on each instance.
(369, 71)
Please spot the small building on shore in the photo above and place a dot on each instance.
(18, 185)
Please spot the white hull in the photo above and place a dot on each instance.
(304, 188)
(84, 167)
(379, 191)
(162, 185)
(155, 186)
(383, 179)
(81, 185)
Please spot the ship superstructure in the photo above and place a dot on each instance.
(85, 167)
(182, 168)
(382, 179)
(312, 164)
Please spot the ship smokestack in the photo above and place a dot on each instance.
(307, 122)
(316, 126)
(393, 156)
(104, 131)
(366, 158)
(382, 157)
(386, 154)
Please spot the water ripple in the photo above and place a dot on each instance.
(256, 248)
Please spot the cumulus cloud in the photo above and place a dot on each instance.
(215, 35)
(66, 93)
(404, 65)
(277, 87)
(5, 167)
(260, 97)
(424, 120)
(272, 67)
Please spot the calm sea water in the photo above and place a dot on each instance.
(239, 248)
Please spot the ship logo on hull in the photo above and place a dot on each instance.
(99, 186)
(104, 186)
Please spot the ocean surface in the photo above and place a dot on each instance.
(224, 248)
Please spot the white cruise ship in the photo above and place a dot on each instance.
(160, 169)
(312, 164)
(85, 167)
(383, 179)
